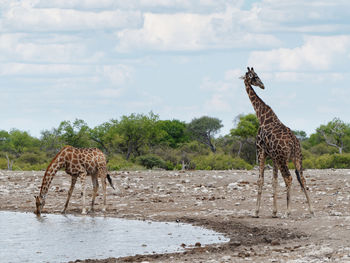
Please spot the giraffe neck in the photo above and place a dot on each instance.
(56, 164)
(263, 111)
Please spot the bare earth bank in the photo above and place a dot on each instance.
(219, 200)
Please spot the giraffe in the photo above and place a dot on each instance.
(277, 141)
(78, 162)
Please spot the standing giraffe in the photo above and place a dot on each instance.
(77, 163)
(277, 141)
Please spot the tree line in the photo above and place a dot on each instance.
(143, 141)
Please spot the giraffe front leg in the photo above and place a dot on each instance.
(104, 187)
(95, 189)
(274, 185)
(74, 180)
(83, 188)
(260, 182)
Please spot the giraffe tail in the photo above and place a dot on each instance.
(298, 177)
(110, 181)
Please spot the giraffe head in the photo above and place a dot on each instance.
(252, 78)
(39, 202)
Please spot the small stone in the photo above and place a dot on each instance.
(198, 244)
(275, 243)
(226, 258)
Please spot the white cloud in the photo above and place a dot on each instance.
(111, 92)
(111, 75)
(23, 16)
(199, 6)
(317, 53)
(116, 74)
(300, 16)
(32, 70)
(218, 103)
(191, 32)
(50, 49)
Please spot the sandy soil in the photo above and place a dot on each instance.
(220, 200)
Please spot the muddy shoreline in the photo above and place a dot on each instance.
(220, 200)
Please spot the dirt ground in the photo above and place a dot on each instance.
(220, 200)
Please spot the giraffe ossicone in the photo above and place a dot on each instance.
(78, 163)
(277, 141)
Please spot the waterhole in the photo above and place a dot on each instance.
(58, 238)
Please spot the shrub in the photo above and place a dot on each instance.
(309, 163)
(324, 161)
(341, 160)
(150, 160)
(118, 162)
(3, 163)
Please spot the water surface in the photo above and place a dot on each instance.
(58, 238)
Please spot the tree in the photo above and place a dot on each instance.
(51, 142)
(246, 130)
(203, 129)
(301, 135)
(334, 133)
(100, 135)
(137, 131)
(75, 134)
(174, 132)
(21, 141)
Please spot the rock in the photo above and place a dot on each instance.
(226, 258)
(275, 242)
(233, 186)
(198, 244)
(335, 213)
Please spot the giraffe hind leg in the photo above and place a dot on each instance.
(302, 183)
(104, 187)
(288, 181)
(274, 186)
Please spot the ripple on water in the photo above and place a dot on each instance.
(57, 238)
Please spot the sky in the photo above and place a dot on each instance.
(98, 60)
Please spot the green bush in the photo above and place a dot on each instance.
(118, 162)
(150, 160)
(332, 161)
(324, 161)
(3, 163)
(219, 162)
(341, 160)
(309, 163)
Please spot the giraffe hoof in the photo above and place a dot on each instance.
(312, 214)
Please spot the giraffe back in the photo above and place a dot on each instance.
(89, 160)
